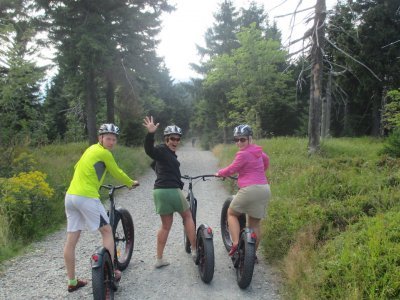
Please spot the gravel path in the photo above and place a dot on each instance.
(40, 274)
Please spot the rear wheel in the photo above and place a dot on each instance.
(205, 252)
(226, 237)
(124, 238)
(247, 253)
(102, 278)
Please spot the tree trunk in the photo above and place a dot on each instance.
(110, 100)
(314, 121)
(382, 130)
(375, 116)
(326, 109)
(225, 137)
(347, 131)
(375, 120)
(91, 107)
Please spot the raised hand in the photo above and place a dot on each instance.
(149, 124)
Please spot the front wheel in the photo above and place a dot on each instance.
(124, 233)
(247, 253)
(226, 237)
(102, 279)
(205, 252)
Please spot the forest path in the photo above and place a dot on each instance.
(40, 274)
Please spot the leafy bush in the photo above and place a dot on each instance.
(392, 145)
(25, 202)
(392, 110)
(362, 263)
(285, 219)
(4, 230)
(25, 162)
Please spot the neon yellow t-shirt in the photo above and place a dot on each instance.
(91, 169)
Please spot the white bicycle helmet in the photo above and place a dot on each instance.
(108, 128)
(172, 129)
(243, 130)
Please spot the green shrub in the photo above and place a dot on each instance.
(362, 263)
(25, 202)
(284, 220)
(392, 145)
(391, 113)
(4, 230)
(15, 159)
(24, 162)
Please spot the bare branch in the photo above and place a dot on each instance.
(336, 73)
(342, 30)
(297, 11)
(306, 35)
(127, 77)
(276, 6)
(298, 51)
(391, 44)
(351, 57)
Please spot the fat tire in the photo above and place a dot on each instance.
(247, 253)
(226, 237)
(102, 280)
(205, 252)
(124, 232)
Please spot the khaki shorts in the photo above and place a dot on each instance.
(168, 201)
(252, 200)
(84, 213)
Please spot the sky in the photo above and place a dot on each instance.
(187, 25)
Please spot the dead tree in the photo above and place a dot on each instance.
(326, 109)
(318, 39)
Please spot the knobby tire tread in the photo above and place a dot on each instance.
(102, 280)
(205, 250)
(124, 217)
(247, 253)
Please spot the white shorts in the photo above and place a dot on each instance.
(84, 213)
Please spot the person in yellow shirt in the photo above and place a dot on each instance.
(83, 207)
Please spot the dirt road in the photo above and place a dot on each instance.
(40, 274)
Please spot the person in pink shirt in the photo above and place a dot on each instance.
(250, 163)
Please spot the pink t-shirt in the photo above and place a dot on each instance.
(250, 163)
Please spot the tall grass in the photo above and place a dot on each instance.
(322, 206)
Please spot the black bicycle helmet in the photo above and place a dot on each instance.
(243, 130)
(172, 129)
(108, 128)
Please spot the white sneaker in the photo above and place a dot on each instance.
(161, 263)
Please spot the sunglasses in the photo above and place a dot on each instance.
(174, 139)
(242, 140)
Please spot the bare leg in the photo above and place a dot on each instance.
(163, 233)
(255, 225)
(69, 253)
(234, 226)
(108, 240)
(189, 227)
